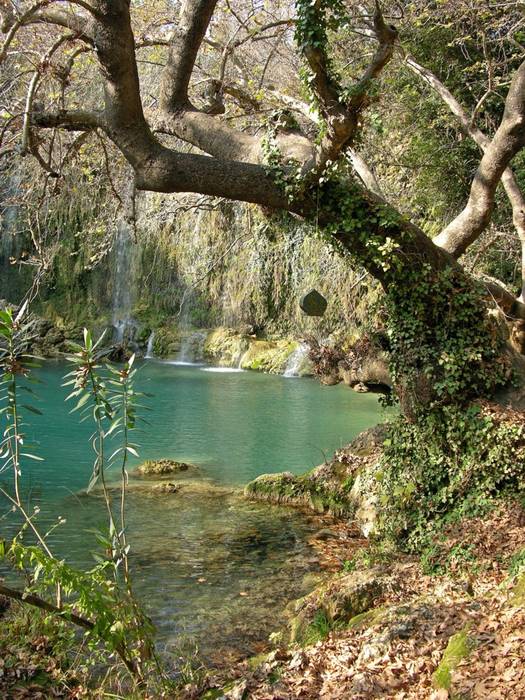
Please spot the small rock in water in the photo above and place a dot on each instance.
(313, 303)
(166, 488)
(360, 388)
(162, 466)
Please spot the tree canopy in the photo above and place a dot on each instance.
(330, 110)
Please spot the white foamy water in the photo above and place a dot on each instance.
(222, 369)
(149, 350)
(296, 361)
(183, 363)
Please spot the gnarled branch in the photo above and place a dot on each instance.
(508, 140)
(508, 179)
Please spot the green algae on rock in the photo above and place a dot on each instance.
(311, 491)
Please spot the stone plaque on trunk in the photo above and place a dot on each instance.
(313, 303)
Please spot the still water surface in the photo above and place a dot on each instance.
(207, 564)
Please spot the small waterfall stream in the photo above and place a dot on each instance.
(242, 353)
(122, 302)
(149, 349)
(296, 361)
(191, 349)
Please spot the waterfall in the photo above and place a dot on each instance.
(296, 361)
(149, 350)
(191, 349)
(12, 243)
(122, 322)
(242, 353)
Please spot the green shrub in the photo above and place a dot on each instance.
(449, 463)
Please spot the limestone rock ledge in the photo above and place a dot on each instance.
(342, 487)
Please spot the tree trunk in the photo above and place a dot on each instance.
(445, 346)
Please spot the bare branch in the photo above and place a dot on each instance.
(70, 120)
(41, 13)
(508, 179)
(366, 174)
(498, 153)
(187, 38)
(44, 60)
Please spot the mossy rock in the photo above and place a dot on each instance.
(166, 342)
(315, 491)
(271, 356)
(225, 347)
(517, 597)
(458, 648)
(334, 605)
(161, 467)
(367, 619)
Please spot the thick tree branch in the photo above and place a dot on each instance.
(342, 117)
(124, 120)
(82, 26)
(177, 115)
(209, 135)
(169, 171)
(185, 43)
(508, 140)
(508, 179)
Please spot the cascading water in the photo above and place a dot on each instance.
(236, 364)
(242, 353)
(121, 319)
(191, 349)
(149, 349)
(296, 361)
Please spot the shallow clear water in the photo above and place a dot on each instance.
(206, 562)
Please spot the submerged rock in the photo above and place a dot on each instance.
(165, 488)
(158, 467)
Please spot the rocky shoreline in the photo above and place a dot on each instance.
(359, 365)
